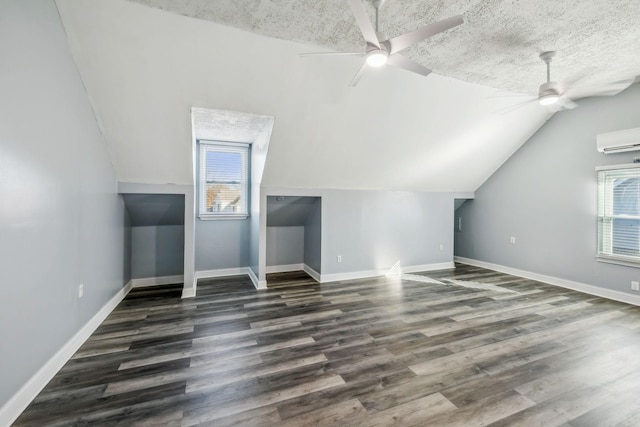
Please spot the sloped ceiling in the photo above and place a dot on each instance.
(497, 46)
(145, 69)
(289, 211)
(154, 209)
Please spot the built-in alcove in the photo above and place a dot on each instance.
(157, 235)
(293, 235)
(458, 220)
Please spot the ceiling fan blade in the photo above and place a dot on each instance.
(517, 106)
(331, 54)
(404, 41)
(358, 76)
(363, 21)
(566, 104)
(606, 90)
(405, 63)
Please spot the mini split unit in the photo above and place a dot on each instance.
(618, 142)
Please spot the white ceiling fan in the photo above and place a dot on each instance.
(380, 50)
(552, 93)
(558, 96)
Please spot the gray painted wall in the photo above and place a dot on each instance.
(222, 244)
(285, 245)
(157, 251)
(313, 237)
(126, 251)
(545, 196)
(61, 220)
(373, 230)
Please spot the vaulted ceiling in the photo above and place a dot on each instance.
(497, 46)
(145, 68)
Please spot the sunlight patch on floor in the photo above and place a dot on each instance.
(463, 283)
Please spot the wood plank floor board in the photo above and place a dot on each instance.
(480, 348)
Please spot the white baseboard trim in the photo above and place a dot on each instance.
(428, 267)
(188, 293)
(354, 275)
(225, 272)
(259, 284)
(157, 281)
(311, 272)
(221, 272)
(556, 281)
(284, 268)
(19, 402)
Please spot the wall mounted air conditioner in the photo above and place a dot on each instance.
(618, 142)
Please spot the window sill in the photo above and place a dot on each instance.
(619, 260)
(222, 217)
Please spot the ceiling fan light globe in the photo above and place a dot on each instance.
(547, 100)
(377, 58)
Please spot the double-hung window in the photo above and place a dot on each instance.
(223, 180)
(619, 214)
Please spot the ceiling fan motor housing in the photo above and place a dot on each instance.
(376, 56)
(549, 89)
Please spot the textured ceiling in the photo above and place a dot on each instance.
(498, 45)
(229, 126)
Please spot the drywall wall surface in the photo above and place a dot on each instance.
(285, 245)
(257, 220)
(126, 251)
(313, 237)
(373, 230)
(157, 251)
(221, 244)
(61, 219)
(545, 197)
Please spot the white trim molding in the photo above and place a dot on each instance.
(556, 281)
(19, 402)
(354, 275)
(221, 272)
(226, 272)
(188, 293)
(311, 272)
(284, 268)
(259, 284)
(156, 281)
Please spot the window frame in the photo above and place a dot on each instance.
(210, 145)
(605, 177)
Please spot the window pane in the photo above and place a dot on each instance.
(223, 179)
(619, 212)
(223, 167)
(223, 198)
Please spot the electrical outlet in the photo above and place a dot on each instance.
(339, 258)
(635, 286)
(80, 290)
(513, 239)
(441, 247)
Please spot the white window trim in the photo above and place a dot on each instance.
(607, 256)
(209, 216)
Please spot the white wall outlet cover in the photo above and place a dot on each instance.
(80, 290)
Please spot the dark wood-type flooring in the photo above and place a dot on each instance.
(463, 347)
